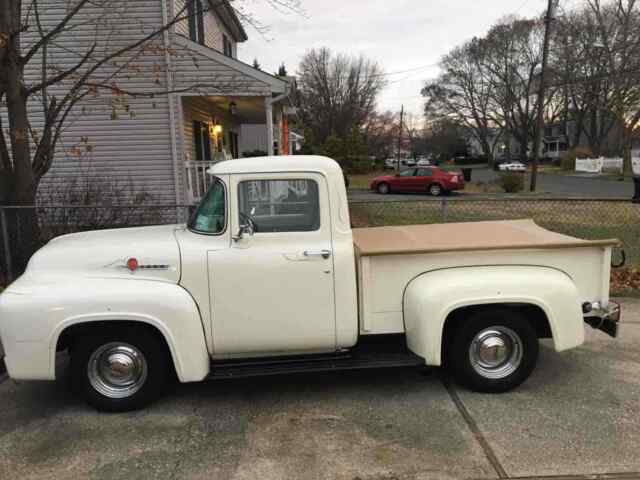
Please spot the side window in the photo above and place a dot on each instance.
(211, 215)
(280, 205)
(408, 172)
(425, 172)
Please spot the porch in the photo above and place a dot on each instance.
(217, 128)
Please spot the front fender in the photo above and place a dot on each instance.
(432, 296)
(33, 317)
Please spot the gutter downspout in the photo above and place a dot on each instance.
(268, 103)
(172, 115)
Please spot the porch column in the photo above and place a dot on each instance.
(269, 112)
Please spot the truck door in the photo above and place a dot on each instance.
(273, 291)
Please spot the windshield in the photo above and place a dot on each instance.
(211, 215)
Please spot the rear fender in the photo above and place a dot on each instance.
(430, 298)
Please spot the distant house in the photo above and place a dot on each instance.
(556, 140)
(212, 106)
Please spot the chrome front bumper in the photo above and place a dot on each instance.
(605, 319)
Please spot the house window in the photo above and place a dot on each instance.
(201, 141)
(195, 12)
(227, 48)
(548, 131)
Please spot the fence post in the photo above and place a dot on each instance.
(443, 209)
(5, 240)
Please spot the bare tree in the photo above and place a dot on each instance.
(512, 55)
(380, 132)
(618, 30)
(337, 92)
(56, 54)
(580, 67)
(464, 94)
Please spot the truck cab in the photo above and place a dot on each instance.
(273, 237)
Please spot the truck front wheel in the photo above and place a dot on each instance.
(493, 351)
(119, 371)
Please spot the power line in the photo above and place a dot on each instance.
(386, 74)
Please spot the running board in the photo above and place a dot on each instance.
(359, 361)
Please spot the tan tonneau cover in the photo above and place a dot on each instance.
(456, 237)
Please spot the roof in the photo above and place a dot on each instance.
(277, 84)
(286, 163)
(468, 236)
(227, 15)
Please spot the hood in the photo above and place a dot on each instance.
(104, 254)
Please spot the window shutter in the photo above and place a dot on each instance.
(197, 139)
(200, 17)
(206, 143)
(191, 13)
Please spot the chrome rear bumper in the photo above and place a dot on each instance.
(605, 319)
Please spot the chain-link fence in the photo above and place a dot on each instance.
(24, 229)
(588, 219)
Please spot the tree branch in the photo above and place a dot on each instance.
(55, 31)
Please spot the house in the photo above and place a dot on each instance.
(199, 103)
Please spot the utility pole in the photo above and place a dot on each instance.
(541, 95)
(400, 137)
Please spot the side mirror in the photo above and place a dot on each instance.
(244, 229)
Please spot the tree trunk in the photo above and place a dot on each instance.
(24, 232)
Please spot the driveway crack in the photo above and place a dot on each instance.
(475, 430)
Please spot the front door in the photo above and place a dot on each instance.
(402, 181)
(272, 292)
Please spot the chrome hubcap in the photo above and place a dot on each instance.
(496, 352)
(117, 370)
(435, 189)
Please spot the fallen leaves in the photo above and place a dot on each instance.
(625, 281)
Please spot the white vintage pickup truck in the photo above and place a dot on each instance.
(268, 277)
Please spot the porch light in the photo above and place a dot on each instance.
(217, 129)
(233, 108)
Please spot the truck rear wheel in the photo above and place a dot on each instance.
(493, 351)
(119, 371)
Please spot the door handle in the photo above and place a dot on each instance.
(317, 253)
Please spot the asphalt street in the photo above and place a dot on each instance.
(577, 417)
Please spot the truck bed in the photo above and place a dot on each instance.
(468, 236)
(388, 258)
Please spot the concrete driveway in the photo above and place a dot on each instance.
(578, 416)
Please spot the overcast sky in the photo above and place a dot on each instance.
(399, 34)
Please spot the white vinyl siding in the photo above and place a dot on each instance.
(109, 136)
(194, 67)
(213, 27)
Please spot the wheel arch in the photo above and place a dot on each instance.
(186, 367)
(433, 299)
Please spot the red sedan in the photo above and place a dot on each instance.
(422, 180)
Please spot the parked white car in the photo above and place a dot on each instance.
(512, 167)
(269, 277)
(424, 163)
